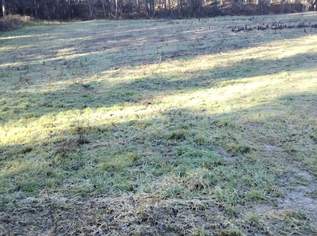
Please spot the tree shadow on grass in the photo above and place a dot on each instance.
(168, 142)
(97, 49)
(147, 88)
(179, 154)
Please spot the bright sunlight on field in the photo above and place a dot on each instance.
(163, 126)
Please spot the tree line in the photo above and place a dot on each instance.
(90, 9)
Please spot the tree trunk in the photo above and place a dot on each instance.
(35, 8)
(116, 2)
(3, 7)
(137, 5)
(104, 8)
(90, 6)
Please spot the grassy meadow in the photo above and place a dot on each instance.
(156, 127)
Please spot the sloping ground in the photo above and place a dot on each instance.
(158, 127)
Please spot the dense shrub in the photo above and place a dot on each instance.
(12, 22)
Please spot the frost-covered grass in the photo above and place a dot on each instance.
(164, 110)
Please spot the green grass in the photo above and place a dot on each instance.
(172, 111)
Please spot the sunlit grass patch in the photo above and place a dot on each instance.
(118, 162)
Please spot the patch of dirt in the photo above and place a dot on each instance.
(296, 201)
(298, 198)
